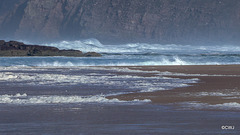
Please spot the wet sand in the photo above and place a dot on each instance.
(157, 117)
(218, 84)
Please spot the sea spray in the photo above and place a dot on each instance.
(133, 54)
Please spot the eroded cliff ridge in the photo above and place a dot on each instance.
(162, 21)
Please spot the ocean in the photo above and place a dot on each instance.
(133, 54)
(69, 95)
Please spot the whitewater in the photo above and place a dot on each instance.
(56, 79)
(78, 95)
(133, 54)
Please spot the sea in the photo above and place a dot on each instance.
(133, 54)
(68, 95)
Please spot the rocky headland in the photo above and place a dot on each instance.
(14, 48)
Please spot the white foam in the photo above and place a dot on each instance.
(224, 106)
(163, 61)
(133, 54)
(60, 67)
(123, 69)
(176, 61)
(136, 82)
(185, 74)
(47, 99)
(95, 45)
(7, 76)
(217, 94)
(226, 94)
(58, 64)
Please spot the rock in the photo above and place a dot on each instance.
(73, 53)
(114, 21)
(91, 54)
(14, 48)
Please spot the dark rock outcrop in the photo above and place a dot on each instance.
(14, 48)
(164, 21)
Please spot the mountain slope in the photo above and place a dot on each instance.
(164, 21)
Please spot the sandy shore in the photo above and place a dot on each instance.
(218, 84)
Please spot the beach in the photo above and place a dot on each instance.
(218, 85)
(141, 100)
(119, 67)
(214, 87)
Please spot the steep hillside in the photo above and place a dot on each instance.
(164, 21)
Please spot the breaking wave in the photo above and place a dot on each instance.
(133, 54)
(223, 106)
(95, 45)
(24, 99)
(107, 62)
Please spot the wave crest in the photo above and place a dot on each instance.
(95, 45)
(25, 99)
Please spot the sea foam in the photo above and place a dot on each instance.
(223, 106)
(110, 77)
(95, 45)
(133, 54)
(24, 99)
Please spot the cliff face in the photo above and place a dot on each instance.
(164, 21)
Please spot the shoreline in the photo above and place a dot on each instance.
(218, 86)
(214, 86)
